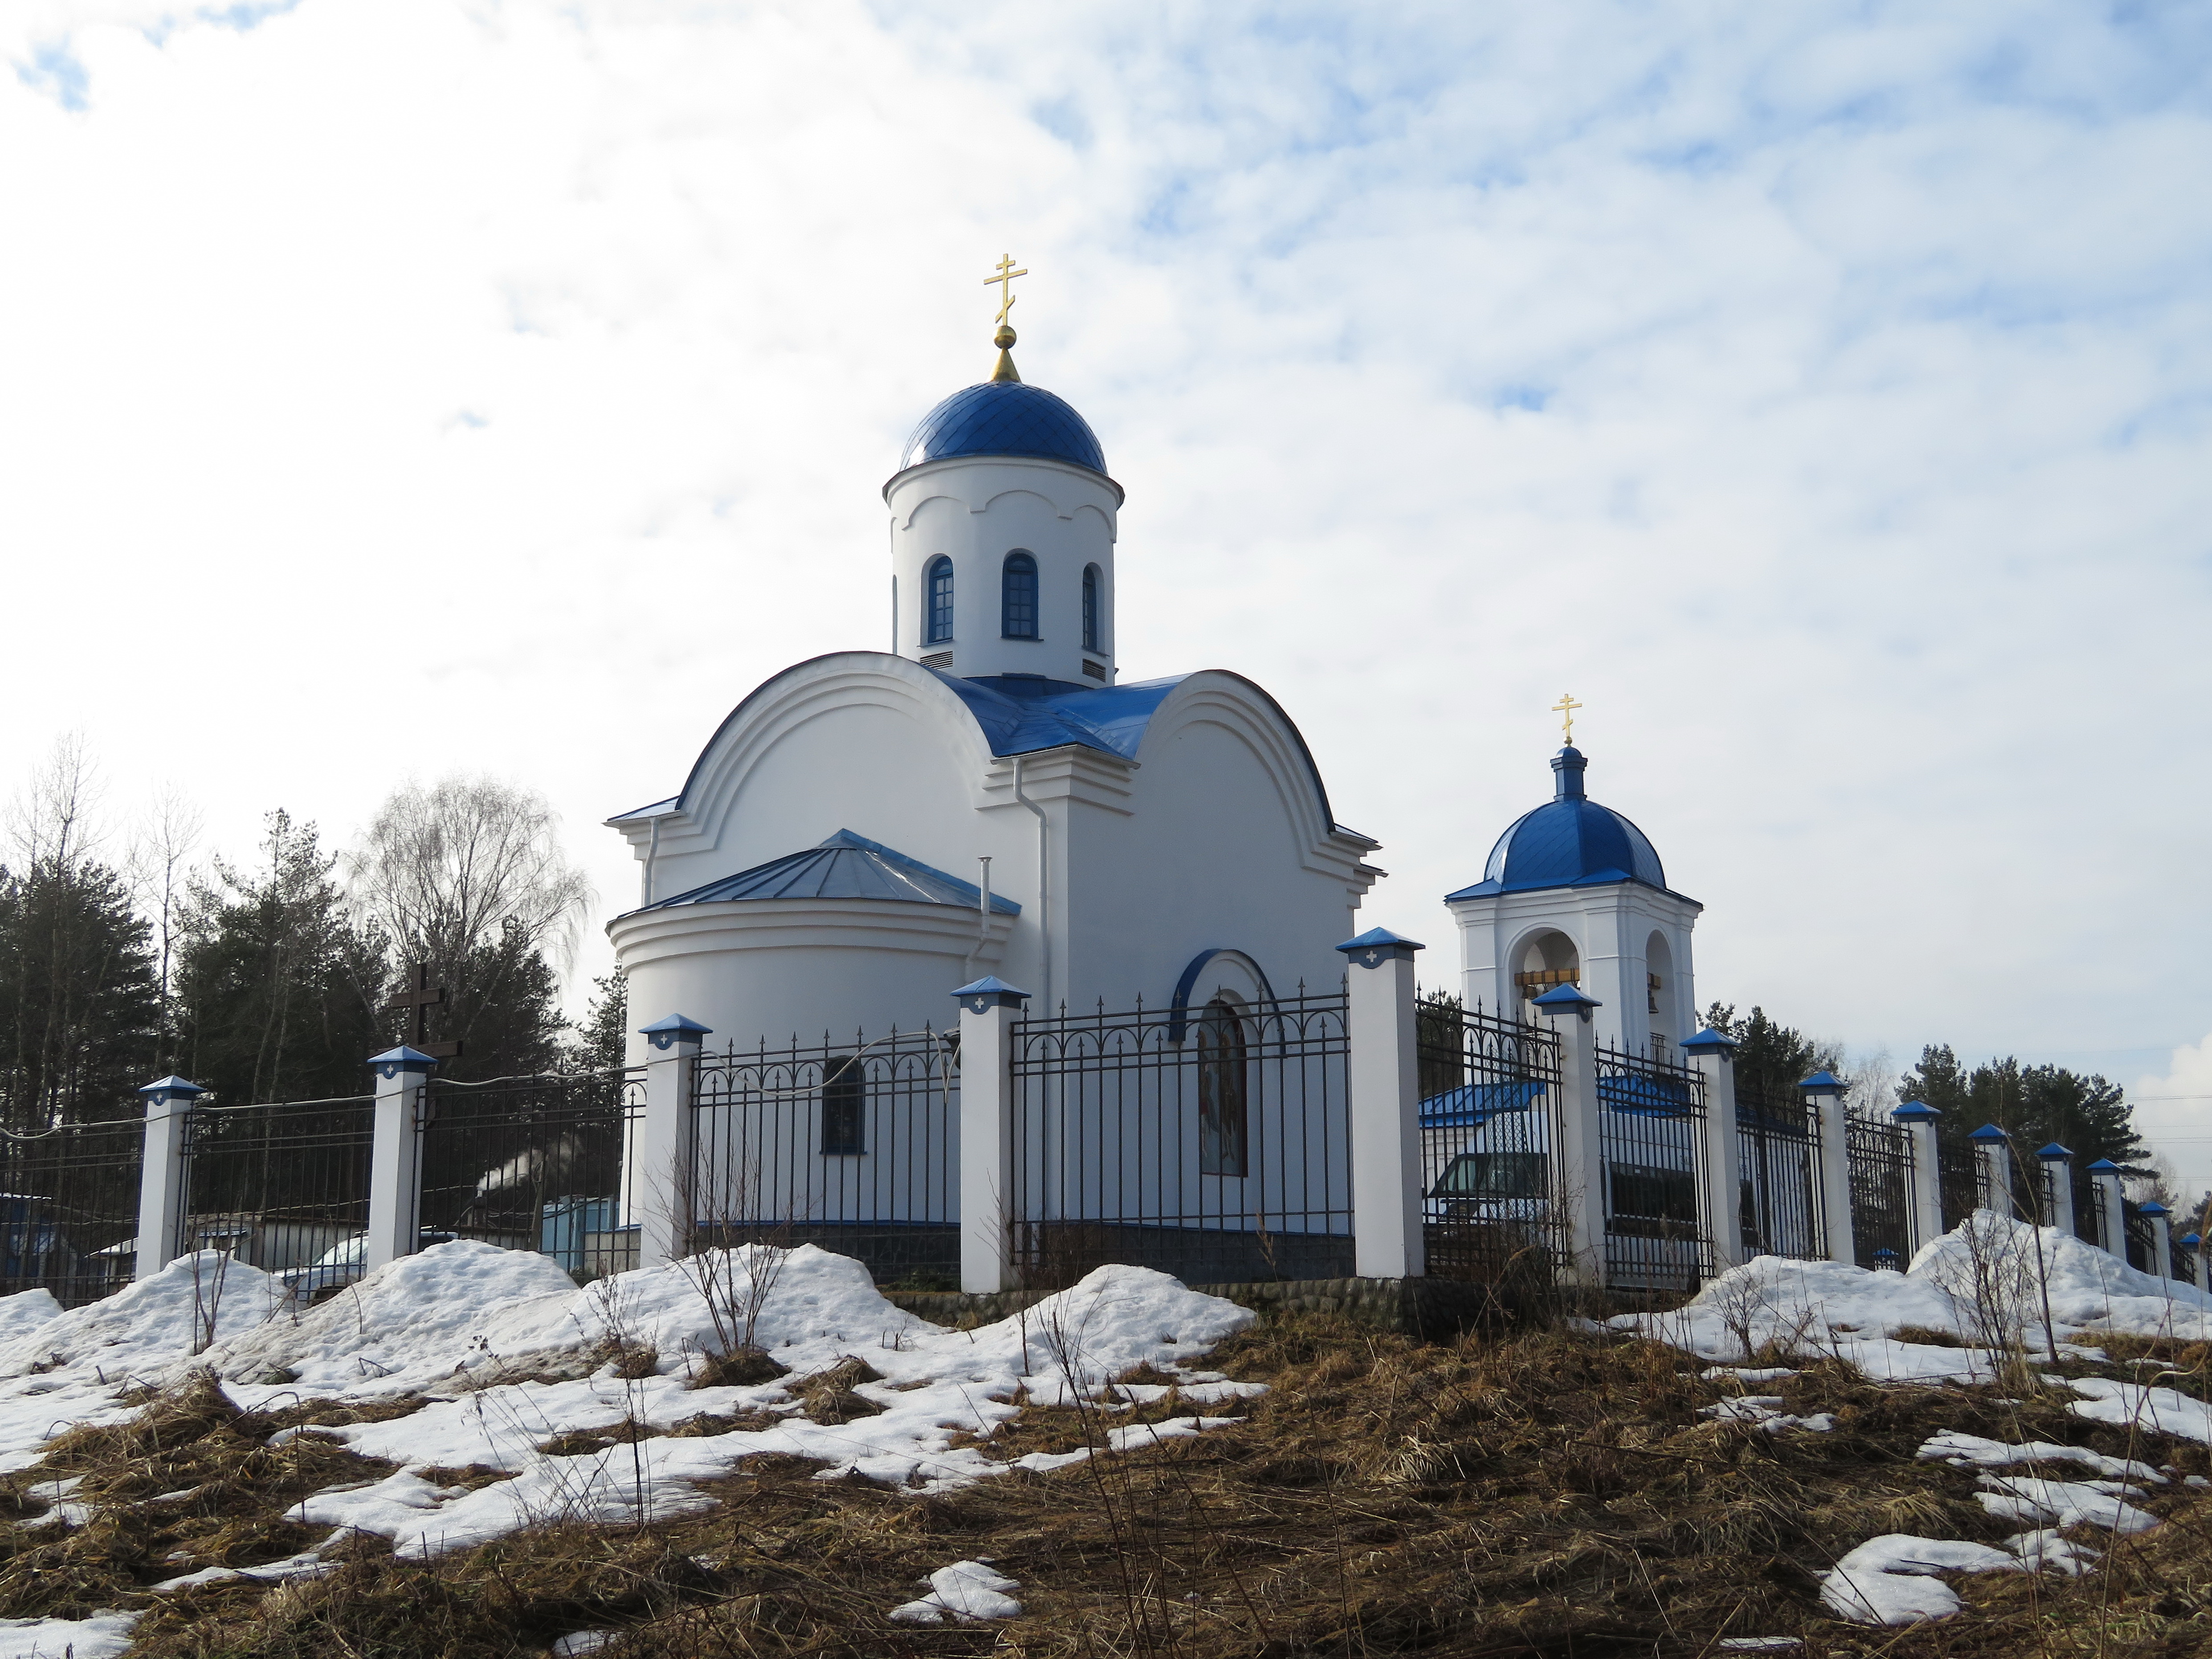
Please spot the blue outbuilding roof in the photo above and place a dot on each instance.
(1472, 1104)
(846, 866)
(1005, 417)
(1569, 842)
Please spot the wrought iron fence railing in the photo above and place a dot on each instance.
(1489, 1090)
(2142, 1238)
(852, 1145)
(282, 1186)
(531, 1163)
(68, 1209)
(1211, 1143)
(1778, 1150)
(1651, 1117)
(1882, 1178)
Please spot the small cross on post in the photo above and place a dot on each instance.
(424, 996)
(1565, 708)
(1004, 279)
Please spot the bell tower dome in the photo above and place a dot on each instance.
(1003, 525)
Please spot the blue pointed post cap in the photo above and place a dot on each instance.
(1915, 1111)
(2054, 1151)
(2102, 1164)
(1563, 999)
(1710, 1042)
(1986, 1133)
(392, 1062)
(2153, 1208)
(1822, 1083)
(1378, 946)
(2189, 1241)
(988, 993)
(171, 1087)
(670, 1030)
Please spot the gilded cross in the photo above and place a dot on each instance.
(1004, 279)
(1566, 707)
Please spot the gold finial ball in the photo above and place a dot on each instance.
(1004, 338)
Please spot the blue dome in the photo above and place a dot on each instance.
(1005, 417)
(1569, 842)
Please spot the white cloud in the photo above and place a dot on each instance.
(2173, 1113)
(1817, 392)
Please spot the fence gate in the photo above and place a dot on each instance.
(1489, 1123)
(1882, 1186)
(530, 1164)
(283, 1187)
(69, 1209)
(1214, 1144)
(852, 1146)
(1651, 1119)
(1778, 1143)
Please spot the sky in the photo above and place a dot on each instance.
(392, 388)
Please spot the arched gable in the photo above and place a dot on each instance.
(1239, 706)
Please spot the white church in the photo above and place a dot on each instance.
(868, 829)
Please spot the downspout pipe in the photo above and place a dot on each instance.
(1044, 883)
(652, 851)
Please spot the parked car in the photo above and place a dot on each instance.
(342, 1263)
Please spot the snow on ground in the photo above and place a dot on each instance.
(1984, 1281)
(967, 1590)
(101, 1637)
(510, 1359)
(1987, 1284)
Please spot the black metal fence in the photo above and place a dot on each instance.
(1490, 1130)
(282, 1186)
(2142, 1239)
(68, 1209)
(1651, 1127)
(531, 1163)
(852, 1146)
(1778, 1150)
(1212, 1143)
(1882, 1189)
(2089, 1213)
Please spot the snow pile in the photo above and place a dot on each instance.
(1886, 1580)
(508, 1355)
(967, 1590)
(101, 1637)
(2161, 1411)
(1984, 1283)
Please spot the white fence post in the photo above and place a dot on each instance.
(989, 1008)
(1992, 1169)
(1824, 1091)
(1714, 1056)
(1920, 1118)
(2162, 1239)
(2057, 1175)
(1582, 1166)
(395, 1176)
(2111, 1201)
(667, 1142)
(2192, 1248)
(162, 1178)
(1381, 1076)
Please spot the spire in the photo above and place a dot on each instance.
(1004, 340)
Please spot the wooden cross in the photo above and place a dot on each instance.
(1004, 279)
(424, 996)
(1566, 707)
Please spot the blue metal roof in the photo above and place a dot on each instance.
(1022, 713)
(1472, 1104)
(1569, 842)
(846, 866)
(1005, 417)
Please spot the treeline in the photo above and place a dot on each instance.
(2033, 1104)
(267, 980)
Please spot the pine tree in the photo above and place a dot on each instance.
(80, 1012)
(601, 1043)
(1770, 1059)
(2035, 1105)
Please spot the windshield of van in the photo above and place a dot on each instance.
(1492, 1175)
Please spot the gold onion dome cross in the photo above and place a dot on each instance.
(1004, 340)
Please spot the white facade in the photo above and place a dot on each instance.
(1625, 943)
(977, 511)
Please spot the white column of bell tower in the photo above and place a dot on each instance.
(975, 510)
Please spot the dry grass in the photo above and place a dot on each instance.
(1536, 1493)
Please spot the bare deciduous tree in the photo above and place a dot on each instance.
(451, 869)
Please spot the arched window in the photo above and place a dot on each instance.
(1090, 607)
(1018, 596)
(1223, 1145)
(939, 582)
